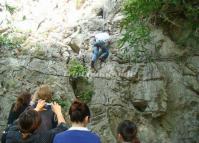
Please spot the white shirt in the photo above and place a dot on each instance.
(79, 128)
(102, 37)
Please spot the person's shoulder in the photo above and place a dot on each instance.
(94, 135)
(13, 136)
(60, 137)
(61, 134)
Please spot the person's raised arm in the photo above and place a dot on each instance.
(34, 97)
(40, 105)
(56, 108)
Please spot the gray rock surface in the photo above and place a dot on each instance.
(161, 97)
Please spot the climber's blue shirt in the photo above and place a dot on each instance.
(77, 135)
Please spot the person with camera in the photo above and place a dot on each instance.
(48, 120)
(25, 129)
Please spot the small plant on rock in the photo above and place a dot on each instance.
(10, 8)
(76, 69)
(63, 103)
(86, 96)
(11, 42)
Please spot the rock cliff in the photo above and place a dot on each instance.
(161, 96)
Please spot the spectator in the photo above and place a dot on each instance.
(78, 133)
(25, 129)
(127, 132)
(48, 120)
(19, 106)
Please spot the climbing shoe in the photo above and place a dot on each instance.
(101, 60)
(93, 69)
(92, 64)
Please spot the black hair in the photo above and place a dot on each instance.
(78, 111)
(128, 131)
(29, 121)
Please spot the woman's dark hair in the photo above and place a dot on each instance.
(23, 99)
(29, 121)
(78, 111)
(128, 131)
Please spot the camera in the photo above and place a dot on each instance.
(47, 105)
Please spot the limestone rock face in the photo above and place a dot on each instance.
(158, 96)
(161, 97)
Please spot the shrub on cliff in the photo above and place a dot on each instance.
(76, 69)
(173, 16)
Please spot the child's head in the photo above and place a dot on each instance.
(127, 132)
(45, 93)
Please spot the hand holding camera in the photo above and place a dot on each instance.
(40, 105)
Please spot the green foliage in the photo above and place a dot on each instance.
(11, 42)
(160, 10)
(39, 52)
(136, 34)
(9, 8)
(140, 15)
(86, 96)
(139, 9)
(5, 41)
(63, 103)
(24, 17)
(83, 88)
(76, 69)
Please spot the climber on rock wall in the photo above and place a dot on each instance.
(100, 47)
